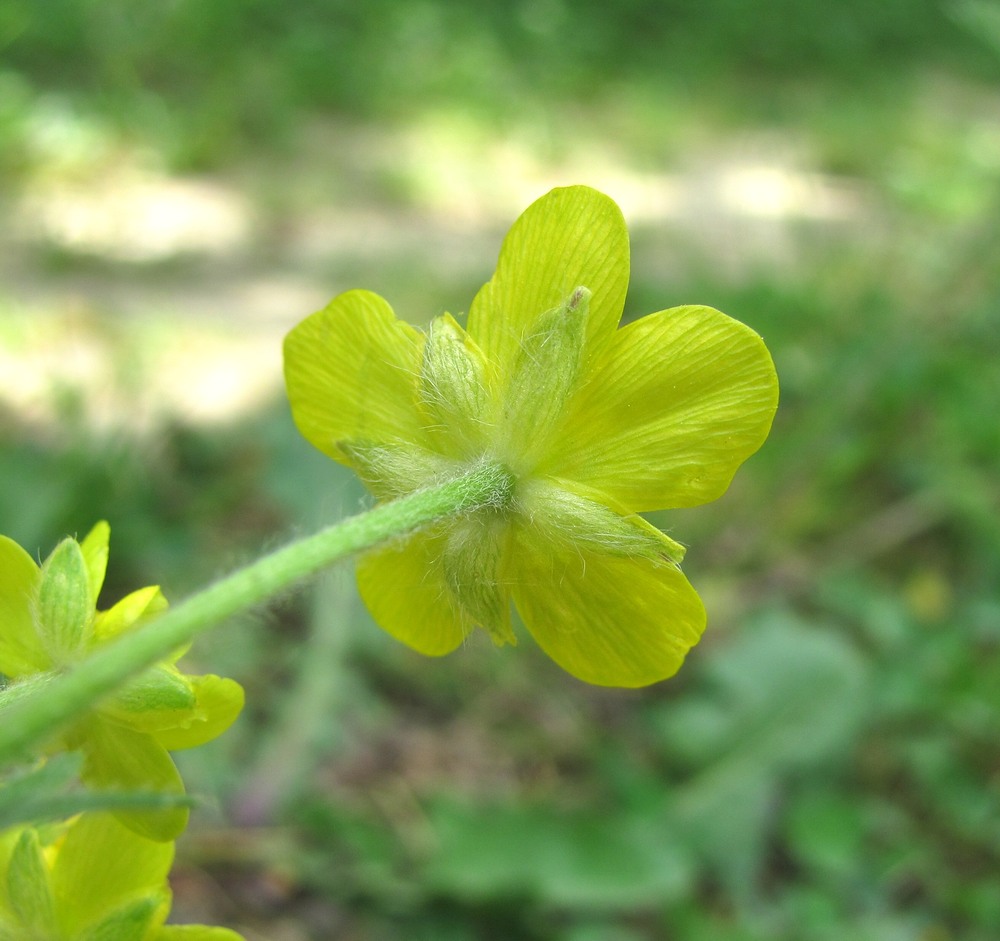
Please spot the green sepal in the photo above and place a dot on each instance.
(131, 922)
(455, 390)
(28, 890)
(570, 514)
(160, 698)
(472, 565)
(218, 701)
(545, 373)
(65, 609)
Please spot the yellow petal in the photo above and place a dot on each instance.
(405, 589)
(118, 759)
(129, 865)
(681, 398)
(95, 553)
(21, 651)
(608, 620)
(219, 702)
(126, 613)
(195, 933)
(572, 237)
(352, 375)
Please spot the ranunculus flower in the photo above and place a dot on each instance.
(90, 879)
(49, 621)
(593, 423)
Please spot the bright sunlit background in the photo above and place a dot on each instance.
(182, 181)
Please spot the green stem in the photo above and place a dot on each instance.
(34, 717)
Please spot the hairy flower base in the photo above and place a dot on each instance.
(593, 424)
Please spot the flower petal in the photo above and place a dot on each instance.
(118, 759)
(405, 588)
(129, 866)
(195, 933)
(572, 237)
(608, 620)
(128, 611)
(21, 651)
(95, 554)
(681, 398)
(352, 372)
(218, 702)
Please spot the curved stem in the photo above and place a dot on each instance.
(38, 714)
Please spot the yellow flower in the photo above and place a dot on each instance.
(89, 880)
(49, 621)
(593, 423)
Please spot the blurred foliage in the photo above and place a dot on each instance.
(207, 79)
(827, 765)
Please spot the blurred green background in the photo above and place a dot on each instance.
(181, 182)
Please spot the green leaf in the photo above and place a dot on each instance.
(826, 831)
(783, 698)
(577, 860)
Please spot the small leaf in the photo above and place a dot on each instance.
(583, 861)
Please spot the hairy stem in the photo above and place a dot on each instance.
(30, 719)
